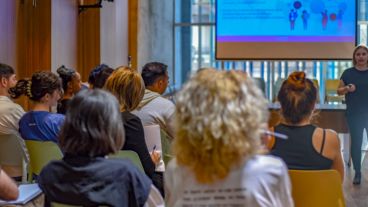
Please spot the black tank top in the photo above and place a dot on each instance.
(297, 151)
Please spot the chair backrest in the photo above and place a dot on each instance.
(131, 155)
(260, 83)
(11, 152)
(166, 147)
(317, 188)
(331, 95)
(41, 153)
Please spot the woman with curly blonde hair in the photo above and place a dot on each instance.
(220, 117)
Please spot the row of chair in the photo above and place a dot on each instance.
(331, 86)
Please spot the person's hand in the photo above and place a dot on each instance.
(156, 157)
(350, 87)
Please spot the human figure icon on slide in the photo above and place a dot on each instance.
(305, 17)
(324, 19)
(292, 17)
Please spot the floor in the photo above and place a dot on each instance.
(356, 195)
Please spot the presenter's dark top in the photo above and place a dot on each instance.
(298, 151)
(357, 101)
(94, 181)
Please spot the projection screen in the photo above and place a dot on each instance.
(286, 29)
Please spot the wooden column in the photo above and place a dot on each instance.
(88, 40)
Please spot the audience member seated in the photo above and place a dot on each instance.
(39, 124)
(99, 75)
(220, 117)
(72, 84)
(154, 109)
(8, 189)
(308, 147)
(10, 112)
(85, 177)
(127, 85)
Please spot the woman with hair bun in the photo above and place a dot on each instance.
(308, 147)
(72, 84)
(354, 85)
(44, 89)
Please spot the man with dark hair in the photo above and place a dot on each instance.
(10, 112)
(153, 108)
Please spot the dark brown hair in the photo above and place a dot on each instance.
(152, 72)
(297, 97)
(6, 71)
(66, 75)
(93, 126)
(41, 83)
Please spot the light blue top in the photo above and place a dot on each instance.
(41, 126)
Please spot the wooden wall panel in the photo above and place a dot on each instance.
(33, 37)
(88, 40)
(133, 32)
(33, 47)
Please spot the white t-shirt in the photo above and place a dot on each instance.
(10, 114)
(262, 181)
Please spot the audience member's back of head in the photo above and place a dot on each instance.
(38, 86)
(66, 75)
(127, 86)
(297, 97)
(220, 116)
(153, 71)
(6, 71)
(99, 75)
(93, 125)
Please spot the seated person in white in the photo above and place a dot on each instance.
(10, 113)
(220, 116)
(153, 108)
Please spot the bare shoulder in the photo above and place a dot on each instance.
(331, 136)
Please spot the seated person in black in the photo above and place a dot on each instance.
(308, 147)
(71, 81)
(128, 86)
(85, 177)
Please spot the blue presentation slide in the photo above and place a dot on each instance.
(286, 20)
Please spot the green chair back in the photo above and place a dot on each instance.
(166, 147)
(41, 153)
(131, 155)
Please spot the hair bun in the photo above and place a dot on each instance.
(63, 71)
(296, 80)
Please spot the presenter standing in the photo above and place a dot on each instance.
(354, 85)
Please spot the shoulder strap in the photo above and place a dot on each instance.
(323, 141)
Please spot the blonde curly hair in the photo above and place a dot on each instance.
(220, 116)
